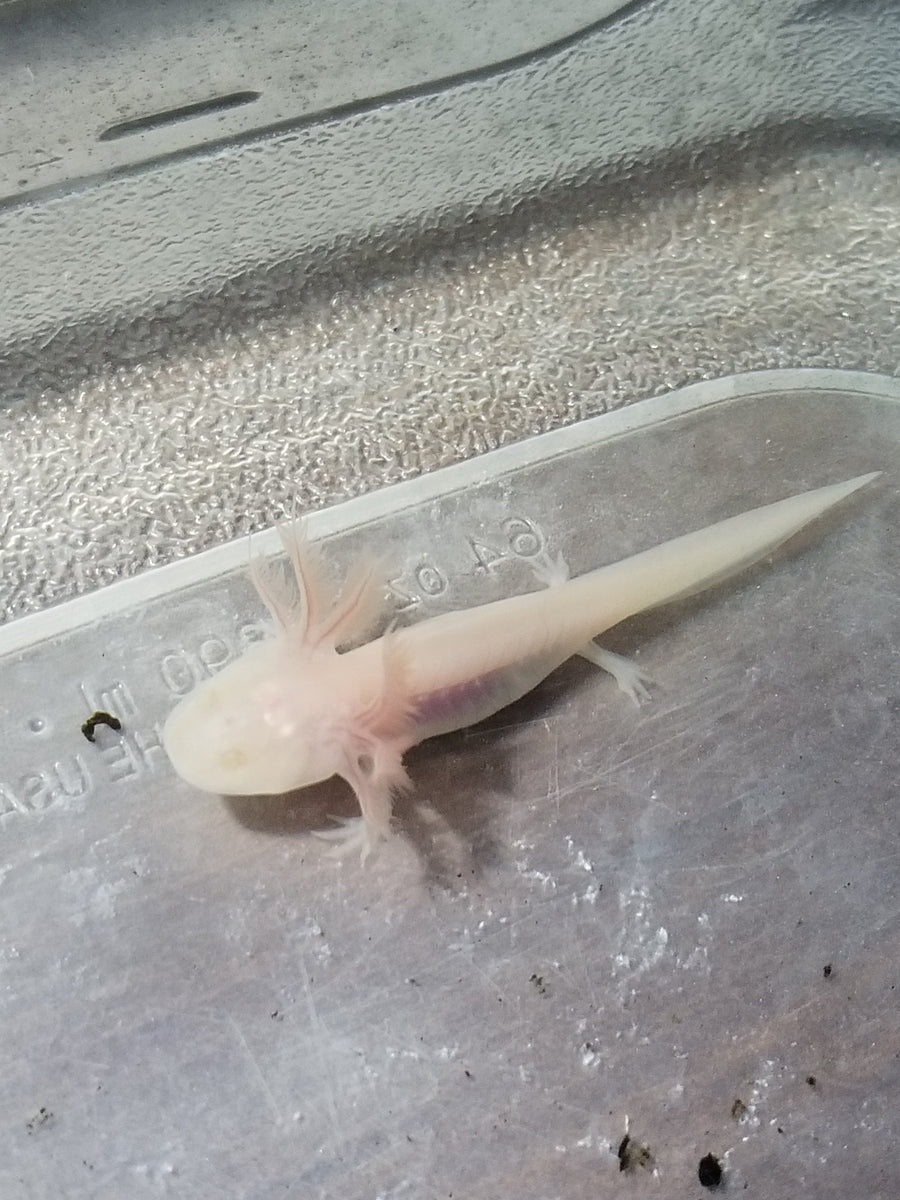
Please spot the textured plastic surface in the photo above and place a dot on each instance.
(136, 448)
(131, 435)
(181, 74)
(660, 77)
(679, 923)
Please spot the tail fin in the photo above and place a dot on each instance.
(697, 560)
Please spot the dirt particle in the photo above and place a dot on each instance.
(709, 1171)
(632, 1154)
(539, 985)
(99, 718)
(41, 1117)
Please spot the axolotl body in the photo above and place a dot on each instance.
(297, 709)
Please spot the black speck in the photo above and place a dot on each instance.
(538, 981)
(811, 1080)
(709, 1171)
(633, 1154)
(468, 1073)
(738, 1109)
(99, 718)
(41, 1117)
(826, 970)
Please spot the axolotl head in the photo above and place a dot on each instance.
(256, 727)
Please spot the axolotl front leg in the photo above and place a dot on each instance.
(372, 734)
(376, 777)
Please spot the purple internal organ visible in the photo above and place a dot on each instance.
(451, 702)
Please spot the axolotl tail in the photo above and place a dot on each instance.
(698, 560)
(462, 666)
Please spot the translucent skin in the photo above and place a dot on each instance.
(295, 710)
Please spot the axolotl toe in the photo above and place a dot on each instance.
(297, 709)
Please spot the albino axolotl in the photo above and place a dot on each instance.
(296, 709)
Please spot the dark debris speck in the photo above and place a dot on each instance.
(633, 1154)
(41, 1117)
(538, 982)
(99, 718)
(709, 1171)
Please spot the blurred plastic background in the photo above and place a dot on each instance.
(259, 256)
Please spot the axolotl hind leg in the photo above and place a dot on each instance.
(552, 570)
(627, 674)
